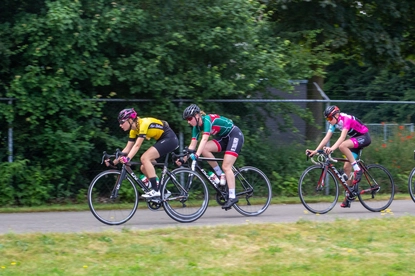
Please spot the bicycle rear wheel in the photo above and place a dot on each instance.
(107, 207)
(189, 196)
(376, 188)
(318, 191)
(253, 189)
(411, 184)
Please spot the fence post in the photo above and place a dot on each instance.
(10, 139)
(325, 97)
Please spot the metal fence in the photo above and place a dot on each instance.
(378, 129)
(387, 131)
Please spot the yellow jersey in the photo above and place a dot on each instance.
(148, 128)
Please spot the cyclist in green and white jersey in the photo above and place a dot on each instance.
(228, 138)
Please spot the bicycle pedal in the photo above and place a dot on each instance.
(155, 200)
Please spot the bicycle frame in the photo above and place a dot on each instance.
(190, 188)
(329, 166)
(223, 189)
(127, 170)
(375, 190)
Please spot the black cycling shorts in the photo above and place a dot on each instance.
(231, 143)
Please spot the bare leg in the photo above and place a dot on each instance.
(207, 152)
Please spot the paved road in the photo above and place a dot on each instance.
(66, 222)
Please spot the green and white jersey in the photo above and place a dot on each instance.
(213, 124)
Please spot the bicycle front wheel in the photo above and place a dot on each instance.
(110, 204)
(411, 184)
(317, 190)
(376, 188)
(185, 195)
(253, 189)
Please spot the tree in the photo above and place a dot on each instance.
(59, 54)
(351, 81)
(368, 32)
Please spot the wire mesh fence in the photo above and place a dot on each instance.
(278, 164)
(279, 135)
(388, 130)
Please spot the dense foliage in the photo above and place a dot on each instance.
(59, 58)
(57, 55)
(349, 81)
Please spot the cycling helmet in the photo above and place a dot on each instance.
(126, 114)
(190, 111)
(331, 111)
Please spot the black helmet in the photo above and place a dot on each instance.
(126, 114)
(331, 111)
(190, 111)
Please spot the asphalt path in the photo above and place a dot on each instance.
(78, 222)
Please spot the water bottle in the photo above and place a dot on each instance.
(344, 177)
(145, 180)
(222, 179)
(213, 177)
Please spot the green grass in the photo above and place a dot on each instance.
(382, 246)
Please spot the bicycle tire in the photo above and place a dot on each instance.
(189, 196)
(380, 200)
(411, 184)
(103, 207)
(315, 198)
(253, 190)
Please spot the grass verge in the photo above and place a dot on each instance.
(381, 246)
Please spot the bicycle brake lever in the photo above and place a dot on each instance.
(119, 153)
(307, 155)
(104, 157)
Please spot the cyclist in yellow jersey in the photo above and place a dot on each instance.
(146, 128)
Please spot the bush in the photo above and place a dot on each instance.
(395, 154)
(23, 184)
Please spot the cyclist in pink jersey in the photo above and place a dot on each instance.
(359, 138)
(228, 138)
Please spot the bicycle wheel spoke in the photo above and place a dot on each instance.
(189, 195)
(317, 192)
(111, 205)
(376, 189)
(411, 184)
(253, 190)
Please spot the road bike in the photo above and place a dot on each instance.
(189, 197)
(318, 187)
(411, 183)
(113, 194)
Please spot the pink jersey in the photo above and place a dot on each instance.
(354, 125)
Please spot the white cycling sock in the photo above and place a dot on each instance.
(355, 166)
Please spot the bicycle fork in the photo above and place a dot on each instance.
(321, 182)
(114, 193)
